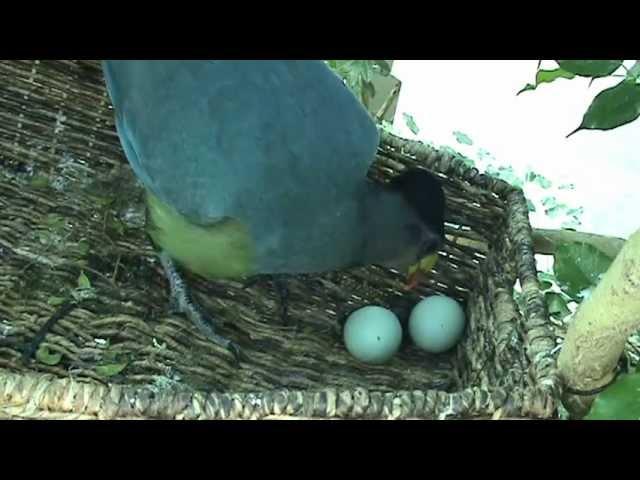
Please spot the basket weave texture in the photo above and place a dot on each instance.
(69, 204)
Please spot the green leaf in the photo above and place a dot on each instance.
(56, 222)
(355, 73)
(613, 107)
(358, 75)
(541, 180)
(116, 225)
(556, 210)
(526, 88)
(83, 281)
(55, 301)
(590, 68)
(620, 401)
(546, 76)
(45, 356)
(383, 67)
(578, 266)
(411, 123)
(484, 154)
(557, 305)
(39, 181)
(462, 138)
(111, 369)
(576, 212)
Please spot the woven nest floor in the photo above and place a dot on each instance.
(69, 205)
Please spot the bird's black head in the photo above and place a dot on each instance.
(423, 191)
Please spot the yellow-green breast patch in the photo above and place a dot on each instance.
(221, 250)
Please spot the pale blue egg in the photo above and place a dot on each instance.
(372, 334)
(436, 324)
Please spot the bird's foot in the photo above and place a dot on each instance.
(181, 302)
(281, 288)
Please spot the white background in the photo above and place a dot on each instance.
(478, 97)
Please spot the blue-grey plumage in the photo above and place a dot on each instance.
(280, 147)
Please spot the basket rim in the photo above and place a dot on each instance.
(447, 163)
(33, 395)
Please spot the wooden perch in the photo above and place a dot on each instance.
(600, 328)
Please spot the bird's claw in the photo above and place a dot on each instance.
(281, 288)
(232, 347)
(181, 302)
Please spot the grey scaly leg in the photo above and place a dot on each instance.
(181, 302)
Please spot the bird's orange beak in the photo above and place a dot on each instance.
(418, 271)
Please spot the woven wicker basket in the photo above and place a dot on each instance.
(69, 204)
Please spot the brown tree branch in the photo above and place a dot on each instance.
(546, 241)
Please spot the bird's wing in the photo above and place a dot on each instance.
(266, 142)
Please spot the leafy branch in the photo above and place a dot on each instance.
(358, 75)
(547, 242)
(611, 108)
